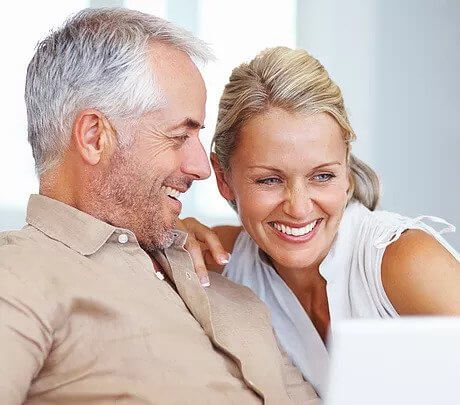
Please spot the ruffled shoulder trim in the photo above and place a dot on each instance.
(394, 225)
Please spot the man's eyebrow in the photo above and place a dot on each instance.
(189, 123)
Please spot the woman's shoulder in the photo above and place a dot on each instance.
(383, 228)
(420, 275)
(403, 256)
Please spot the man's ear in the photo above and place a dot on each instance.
(222, 183)
(93, 135)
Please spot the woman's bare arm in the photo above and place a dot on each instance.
(420, 276)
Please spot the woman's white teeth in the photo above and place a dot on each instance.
(172, 192)
(295, 231)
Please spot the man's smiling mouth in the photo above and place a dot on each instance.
(171, 192)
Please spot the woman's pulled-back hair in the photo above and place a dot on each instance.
(296, 82)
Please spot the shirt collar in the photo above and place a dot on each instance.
(76, 229)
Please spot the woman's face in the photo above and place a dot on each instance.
(289, 178)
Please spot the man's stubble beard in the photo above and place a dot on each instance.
(120, 196)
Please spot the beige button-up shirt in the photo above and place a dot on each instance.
(85, 319)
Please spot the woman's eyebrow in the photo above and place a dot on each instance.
(265, 167)
(278, 170)
(327, 164)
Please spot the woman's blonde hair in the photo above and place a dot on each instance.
(294, 81)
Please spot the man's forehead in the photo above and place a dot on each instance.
(165, 57)
(175, 71)
(181, 85)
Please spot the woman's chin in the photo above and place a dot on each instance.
(294, 261)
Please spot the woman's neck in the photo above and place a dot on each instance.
(310, 289)
(302, 280)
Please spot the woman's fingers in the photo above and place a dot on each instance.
(209, 238)
(215, 247)
(194, 248)
(201, 240)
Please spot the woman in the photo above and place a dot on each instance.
(311, 245)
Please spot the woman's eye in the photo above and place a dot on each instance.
(322, 177)
(269, 180)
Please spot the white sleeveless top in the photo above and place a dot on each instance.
(351, 270)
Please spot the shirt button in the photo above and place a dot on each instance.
(188, 275)
(123, 238)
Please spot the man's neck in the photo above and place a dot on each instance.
(57, 185)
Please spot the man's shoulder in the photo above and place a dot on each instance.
(236, 293)
(25, 239)
(27, 249)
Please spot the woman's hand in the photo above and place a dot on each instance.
(205, 248)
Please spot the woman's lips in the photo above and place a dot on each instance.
(298, 234)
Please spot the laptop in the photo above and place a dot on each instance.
(405, 361)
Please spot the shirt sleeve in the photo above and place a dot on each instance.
(25, 336)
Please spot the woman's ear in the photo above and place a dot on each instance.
(351, 184)
(221, 178)
(93, 135)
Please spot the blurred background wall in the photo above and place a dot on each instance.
(398, 64)
(396, 61)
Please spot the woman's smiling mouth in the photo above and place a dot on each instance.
(293, 233)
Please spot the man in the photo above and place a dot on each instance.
(99, 303)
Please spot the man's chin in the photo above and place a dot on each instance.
(167, 241)
(158, 242)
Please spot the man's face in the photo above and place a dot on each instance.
(139, 186)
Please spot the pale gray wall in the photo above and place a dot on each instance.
(398, 64)
(11, 218)
(105, 3)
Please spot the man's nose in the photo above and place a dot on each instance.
(196, 162)
(298, 203)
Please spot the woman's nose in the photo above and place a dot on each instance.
(298, 204)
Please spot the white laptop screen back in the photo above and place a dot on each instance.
(402, 361)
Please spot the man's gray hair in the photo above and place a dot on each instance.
(97, 59)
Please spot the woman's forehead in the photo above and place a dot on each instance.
(282, 136)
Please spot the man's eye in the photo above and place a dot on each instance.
(322, 177)
(269, 180)
(182, 138)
